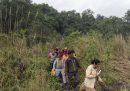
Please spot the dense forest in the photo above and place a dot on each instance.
(28, 30)
(43, 20)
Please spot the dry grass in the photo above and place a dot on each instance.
(119, 47)
(86, 47)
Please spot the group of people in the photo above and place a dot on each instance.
(65, 66)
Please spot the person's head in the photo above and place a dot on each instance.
(56, 49)
(74, 54)
(95, 63)
(72, 51)
(60, 55)
(70, 54)
(65, 52)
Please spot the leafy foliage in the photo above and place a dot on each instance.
(28, 30)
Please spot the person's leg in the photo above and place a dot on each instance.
(60, 76)
(67, 86)
(63, 76)
(76, 81)
(57, 72)
(68, 82)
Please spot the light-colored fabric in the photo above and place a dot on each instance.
(99, 79)
(64, 77)
(58, 71)
(90, 89)
(58, 64)
(91, 77)
(84, 88)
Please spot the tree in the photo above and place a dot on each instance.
(127, 22)
(14, 14)
(127, 16)
(87, 20)
(99, 17)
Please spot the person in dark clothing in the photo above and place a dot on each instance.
(71, 72)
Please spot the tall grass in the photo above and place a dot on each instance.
(27, 69)
(119, 47)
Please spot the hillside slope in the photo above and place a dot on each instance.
(120, 70)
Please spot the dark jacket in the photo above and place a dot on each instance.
(71, 66)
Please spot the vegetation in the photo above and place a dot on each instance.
(29, 30)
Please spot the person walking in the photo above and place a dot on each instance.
(92, 76)
(71, 72)
(58, 67)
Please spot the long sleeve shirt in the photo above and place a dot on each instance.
(91, 77)
(71, 65)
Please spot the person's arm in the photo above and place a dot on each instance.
(101, 82)
(54, 64)
(99, 79)
(66, 68)
(66, 71)
(89, 73)
(98, 73)
(77, 62)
